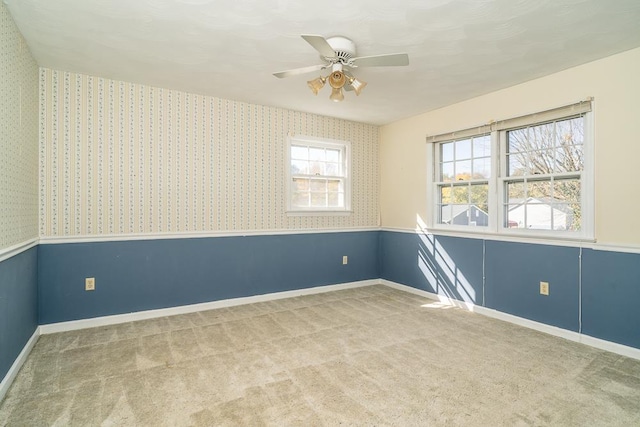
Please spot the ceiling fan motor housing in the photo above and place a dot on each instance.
(345, 48)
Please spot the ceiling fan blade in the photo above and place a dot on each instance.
(297, 71)
(320, 44)
(390, 60)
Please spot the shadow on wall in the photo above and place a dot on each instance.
(452, 267)
(448, 266)
(442, 273)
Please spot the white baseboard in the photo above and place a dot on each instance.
(601, 344)
(184, 309)
(150, 314)
(17, 364)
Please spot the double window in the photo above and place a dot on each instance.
(318, 176)
(531, 175)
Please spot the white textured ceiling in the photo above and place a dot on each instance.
(458, 49)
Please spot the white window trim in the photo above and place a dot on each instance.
(496, 193)
(435, 196)
(320, 143)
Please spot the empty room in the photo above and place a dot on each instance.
(299, 213)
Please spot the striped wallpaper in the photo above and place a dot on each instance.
(121, 158)
(18, 136)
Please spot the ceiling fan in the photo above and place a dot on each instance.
(339, 55)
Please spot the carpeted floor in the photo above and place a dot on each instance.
(365, 356)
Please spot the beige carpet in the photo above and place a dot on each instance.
(366, 356)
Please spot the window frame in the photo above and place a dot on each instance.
(345, 152)
(499, 176)
(437, 184)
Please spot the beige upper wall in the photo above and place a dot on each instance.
(18, 136)
(122, 158)
(614, 84)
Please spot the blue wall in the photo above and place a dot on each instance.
(150, 274)
(611, 296)
(448, 266)
(512, 273)
(18, 305)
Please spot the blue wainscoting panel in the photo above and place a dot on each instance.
(149, 274)
(449, 266)
(513, 272)
(18, 305)
(611, 296)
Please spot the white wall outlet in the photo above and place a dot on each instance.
(345, 260)
(544, 288)
(90, 284)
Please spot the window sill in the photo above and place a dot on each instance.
(319, 213)
(517, 237)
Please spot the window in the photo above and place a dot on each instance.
(530, 175)
(318, 176)
(543, 174)
(463, 181)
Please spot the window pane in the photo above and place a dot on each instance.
(567, 190)
(567, 216)
(445, 214)
(333, 155)
(515, 216)
(332, 169)
(445, 195)
(335, 199)
(317, 168)
(463, 149)
(299, 167)
(517, 164)
(461, 194)
(318, 185)
(298, 152)
(539, 216)
(478, 217)
(541, 137)
(539, 190)
(569, 158)
(335, 185)
(570, 132)
(518, 140)
(459, 215)
(318, 200)
(300, 185)
(515, 192)
(463, 170)
(482, 146)
(446, 171)
(480, 197)
(540, 162)
(481, 168)
(447, 152)
(316, 153)
(300, 200)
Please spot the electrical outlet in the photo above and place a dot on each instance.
(544, 288)
(90, 284)
(345, 260)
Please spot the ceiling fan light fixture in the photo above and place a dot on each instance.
(357, 85)
(316, 84)
(338, 54)
(336, 94)
(337, 80)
